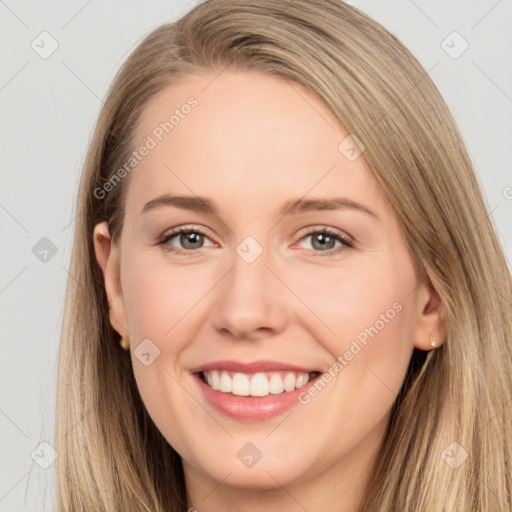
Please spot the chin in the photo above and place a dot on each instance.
(267, 472)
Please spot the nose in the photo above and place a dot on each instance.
(252, 301)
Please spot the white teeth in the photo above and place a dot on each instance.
(226, 385)
(259, 384)
(215, 384)
(276, 384)
(302, 379)
(240, 384)
(289, 382)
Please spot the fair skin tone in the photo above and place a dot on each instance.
(251, 144)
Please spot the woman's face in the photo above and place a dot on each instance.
(258, 287)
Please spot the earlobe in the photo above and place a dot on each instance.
(107, 258)
(430, 328)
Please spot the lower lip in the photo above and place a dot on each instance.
(251, 407)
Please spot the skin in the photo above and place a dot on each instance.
(253, 142)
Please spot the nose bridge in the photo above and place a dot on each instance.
(249, 299)
(250, 266)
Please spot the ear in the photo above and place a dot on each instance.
(430, 318)
(108, 259)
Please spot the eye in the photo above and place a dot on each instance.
(190, 238)
(325, 241)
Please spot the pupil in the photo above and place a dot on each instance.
(189, 238)
(323, 239)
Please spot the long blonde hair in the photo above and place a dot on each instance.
(111, 455)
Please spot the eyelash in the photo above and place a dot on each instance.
(347, 243)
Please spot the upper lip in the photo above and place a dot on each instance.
(250, 367)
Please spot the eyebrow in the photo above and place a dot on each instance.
(292, 207)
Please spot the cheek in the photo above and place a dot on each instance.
(367, 318)
(365, 315)
(160, 302)
(158, 296)
(346, 301)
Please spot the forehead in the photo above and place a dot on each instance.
(244, 135)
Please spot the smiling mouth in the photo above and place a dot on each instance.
(256, 384)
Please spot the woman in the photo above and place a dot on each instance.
(287, 293)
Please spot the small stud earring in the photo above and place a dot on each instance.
(125, 343)
(433, 342)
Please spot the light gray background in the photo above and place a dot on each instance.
(48, 110)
